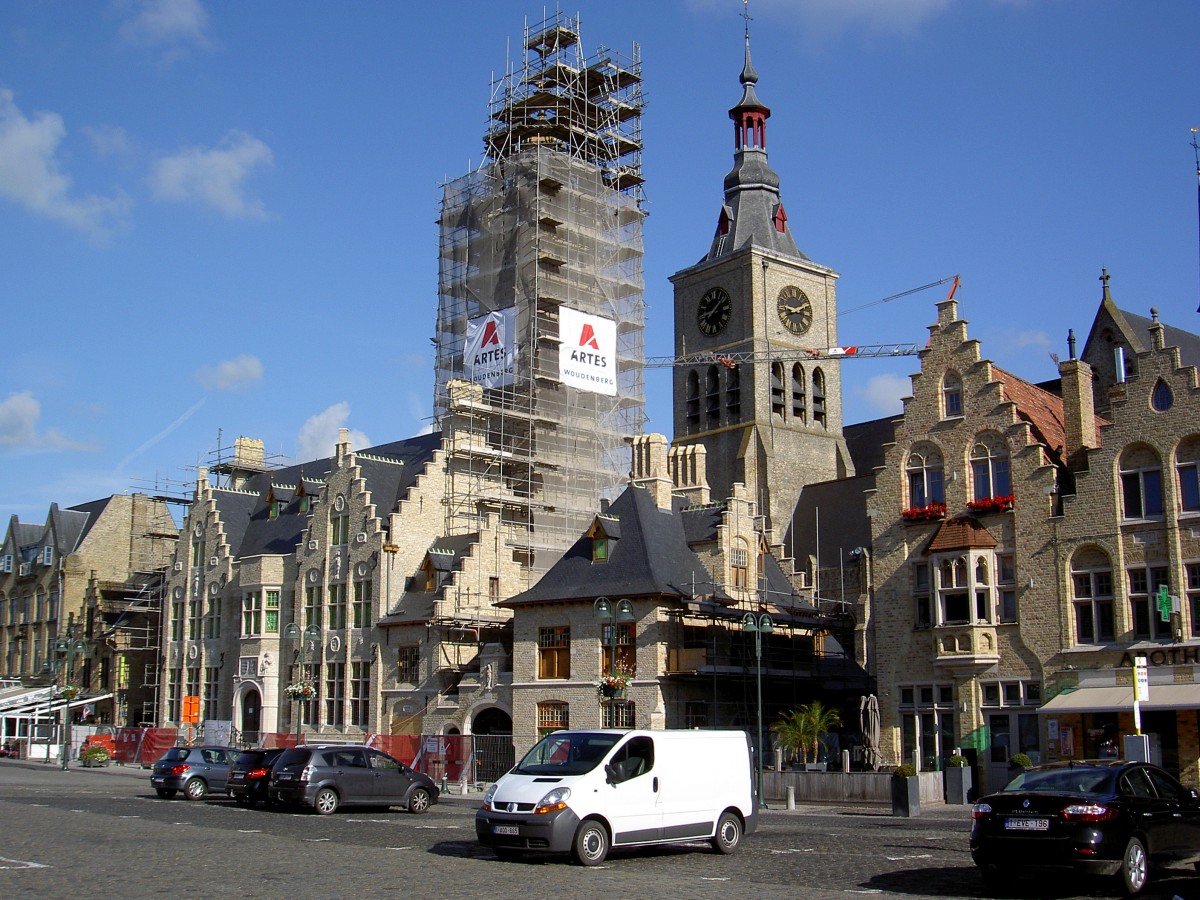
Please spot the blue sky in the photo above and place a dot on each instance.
(217, 217)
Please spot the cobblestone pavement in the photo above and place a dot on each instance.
(103, 832)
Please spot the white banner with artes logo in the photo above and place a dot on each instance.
(588, 353)
(490, 352)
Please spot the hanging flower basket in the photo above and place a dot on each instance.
(929, 512)
(301, 690)
(612, 687)
(68, 692)
(991, 504)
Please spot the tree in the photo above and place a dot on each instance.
(802, 729)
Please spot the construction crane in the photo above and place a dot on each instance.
(858, 351)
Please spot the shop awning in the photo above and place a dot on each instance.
(1115, 699)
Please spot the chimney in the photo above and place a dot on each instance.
(1079, 411)
(650, 468)
(689, 472)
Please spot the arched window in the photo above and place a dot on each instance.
(739, 564)
(733, 393)
(951, 395)
(712, 394)
(1141, 482)
(990, 469)
(925, 477)
(799, 398)
(1161, 398)
(777, 406)
(692, 407)
(818, 397)
(1187, 460)
(1092, 595)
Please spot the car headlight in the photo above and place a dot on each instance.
(487, 797)
(555, 800)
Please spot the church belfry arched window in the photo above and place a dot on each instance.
(818, 398)
(693, 398)
(733, 394)
(799, 394)
(777, 389)
(712, 393)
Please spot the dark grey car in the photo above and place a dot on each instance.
(193, 770)
(326, 777)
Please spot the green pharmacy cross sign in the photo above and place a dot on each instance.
(1165, 604)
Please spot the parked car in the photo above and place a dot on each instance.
(250, 777)
(194, 770)
(1103, 817)
(327, 777)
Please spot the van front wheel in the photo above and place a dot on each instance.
(729, 834)
(591, 843)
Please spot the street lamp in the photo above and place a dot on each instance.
(292, 632)
(64, 658)
(612, 615)
(759, 626)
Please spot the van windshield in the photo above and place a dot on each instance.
(567, 753)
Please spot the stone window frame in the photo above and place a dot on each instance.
(554, 652)
(950, 395)
(1187, 475)
(408, 664)
(1144, 581)
(1191, 574)
(1140, 475)
(1092, 586)
(926, 470)
(991, 467)
(335, 695)
(552, 715)
(252, 613)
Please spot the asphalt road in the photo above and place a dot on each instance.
(103, 833)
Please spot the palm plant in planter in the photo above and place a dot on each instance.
(802, 729)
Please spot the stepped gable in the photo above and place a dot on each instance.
(651, 558)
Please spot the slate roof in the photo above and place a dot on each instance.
(832, 514)
(651, 559)
(867, 442)
(1188, 343)
(961, 533)
(389, 471)
(700, 522)
(92, 511)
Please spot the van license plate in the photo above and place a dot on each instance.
(506, 829)
(1027, 824)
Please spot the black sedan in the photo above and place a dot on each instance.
(251, 775)
(1095, 817)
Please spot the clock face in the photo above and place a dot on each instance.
(714, 311)
(795, 309)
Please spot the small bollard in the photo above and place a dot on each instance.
(791, 796)
(445, 785)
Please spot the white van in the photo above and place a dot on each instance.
(587, 791)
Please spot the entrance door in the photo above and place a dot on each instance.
(251, 716)
(1011, 733)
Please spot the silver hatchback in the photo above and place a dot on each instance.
(194, 770)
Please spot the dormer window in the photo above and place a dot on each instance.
(604, 533)
(600, 548)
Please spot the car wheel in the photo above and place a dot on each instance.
(1135, 867)
(418, 801)
(326, 801)
(591, 843)
(165, 793)
(196, 789)
(729, 834)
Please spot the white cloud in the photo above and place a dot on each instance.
(19, 414)
(235, 374)
(30, 175)
(884, 393)
(214, 176)
(166, 23)
(318, 435)
(108, 140)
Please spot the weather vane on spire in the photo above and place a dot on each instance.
(746, 15)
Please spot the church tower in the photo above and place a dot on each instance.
(748, 316)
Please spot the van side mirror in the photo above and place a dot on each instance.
(610, 774)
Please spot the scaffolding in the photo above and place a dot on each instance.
(552, 219)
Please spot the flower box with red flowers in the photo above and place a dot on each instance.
(927, 513)
(991, 504)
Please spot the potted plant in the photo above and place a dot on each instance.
(93, 755)
(906, 792)
(803, 730)
(301, 690)
(613, 685)
(957, 777)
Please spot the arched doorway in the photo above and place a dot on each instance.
(491, 728)
(251, 716)
(492, 720)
